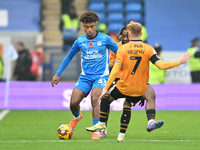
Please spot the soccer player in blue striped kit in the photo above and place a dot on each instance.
(94, 47)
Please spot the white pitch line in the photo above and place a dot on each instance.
(4, 113)
(61, 141)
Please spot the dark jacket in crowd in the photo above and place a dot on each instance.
(22, 69)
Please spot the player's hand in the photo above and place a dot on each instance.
(103, 93)
(55, 80)
(141, 103)
(184, 58)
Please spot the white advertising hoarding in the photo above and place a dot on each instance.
(180, 74)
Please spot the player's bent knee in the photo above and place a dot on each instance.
(73, 104)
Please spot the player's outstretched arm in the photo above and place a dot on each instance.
(55, 80)
(168, 65)
(184, 58)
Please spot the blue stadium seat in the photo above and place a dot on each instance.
(133, 0)
(133, 7)
(115, 17)
(102, 17)
(115, 0)
(115, 27)
(96, 1)
(115, 6)
(97, 7)
(134, 16)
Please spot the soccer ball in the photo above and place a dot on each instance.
(65, 132)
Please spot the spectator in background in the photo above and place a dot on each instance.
(24, 62)
(40, 52)
(144, 35)
(194, 62)
(37, 61)
(156, 76)
(101, 27)
(65, 5)
(69, 26)
(1, 67)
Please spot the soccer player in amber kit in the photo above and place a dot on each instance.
(133, 60)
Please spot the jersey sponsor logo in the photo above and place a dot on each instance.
(90, 44)
(99, 43)
(93, 54)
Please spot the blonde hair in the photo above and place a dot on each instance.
(135, 28)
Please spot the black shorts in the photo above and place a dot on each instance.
(115, 93)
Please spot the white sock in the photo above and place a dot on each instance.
(150, 120)
(102, 123)
(77, 117)
(121, 134)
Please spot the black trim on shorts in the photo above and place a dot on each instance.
(115, 93)
(114, 82)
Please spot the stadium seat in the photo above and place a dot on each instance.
(96, 1)
(115, 27)
(133, 0)
(102, 16)
(115, 0)
(115, 17)
(134, 16)
(97, 7)
(115, 7)
(133, 7)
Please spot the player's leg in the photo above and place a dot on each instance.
(96, 92)
(104, 108)
(101, 126)
(76, 98)
(109, 102)
(98, 85)
(150, 96)
(80, 90)
(125, 119)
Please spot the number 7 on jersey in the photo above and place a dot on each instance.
(138, 59)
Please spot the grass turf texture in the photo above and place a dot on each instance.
(33, 129)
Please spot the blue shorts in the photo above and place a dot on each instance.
(87, 82)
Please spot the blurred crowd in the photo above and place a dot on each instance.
(29, 65)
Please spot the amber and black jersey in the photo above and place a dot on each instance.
(134, 58)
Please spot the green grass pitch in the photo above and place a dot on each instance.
(36, 130)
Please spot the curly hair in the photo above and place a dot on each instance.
(121, 31)
(89, 16)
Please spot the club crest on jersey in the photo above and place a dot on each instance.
(99, 43)
(90, 44)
